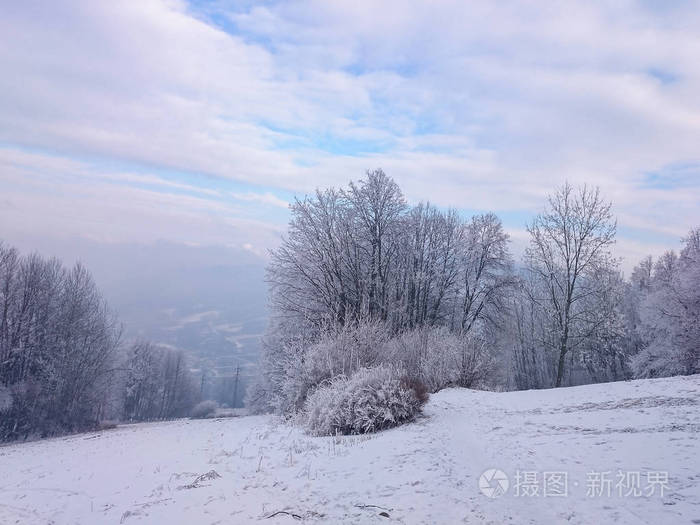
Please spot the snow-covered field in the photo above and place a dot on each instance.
(611, 441)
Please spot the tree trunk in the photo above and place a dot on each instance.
(560, 367)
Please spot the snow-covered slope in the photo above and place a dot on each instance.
(243, 470)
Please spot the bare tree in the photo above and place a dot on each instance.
(569, 242)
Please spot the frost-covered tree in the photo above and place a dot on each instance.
(669, 314)
(569, 245)
(58, 341)
(62, 367)
(362, 255)
(313, 281)
(359, 262)
(603, 351)
(376, 205)
(635, 291)
(531, 333)
(486, 273)
(364, 280)
(157, 383)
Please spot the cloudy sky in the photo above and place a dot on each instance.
(196, 122)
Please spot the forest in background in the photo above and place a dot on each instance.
(65, 366)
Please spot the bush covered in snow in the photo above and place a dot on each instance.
(343, 353)
(431, 356)
(371, 399)
(204, 409)
(292, 367)
(438, 358)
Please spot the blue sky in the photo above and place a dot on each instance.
(196, 122)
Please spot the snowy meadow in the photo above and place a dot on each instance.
(628, 452)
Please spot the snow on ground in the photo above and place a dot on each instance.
(243, 470)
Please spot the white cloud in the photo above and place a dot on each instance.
(58, 197)
(479, 106)
(266, 198)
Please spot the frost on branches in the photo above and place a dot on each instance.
(371, 399)
(63, 365)
(363, 280)
(669, 313)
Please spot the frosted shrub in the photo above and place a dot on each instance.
(475, 363)
(438, 358)
(293, 368)
(204, 409)
(657, 361)
(346, 351)
(370, 400)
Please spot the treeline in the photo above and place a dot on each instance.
(157, 383)
(63, 364)
(363, 279)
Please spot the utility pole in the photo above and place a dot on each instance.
(235, 386)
